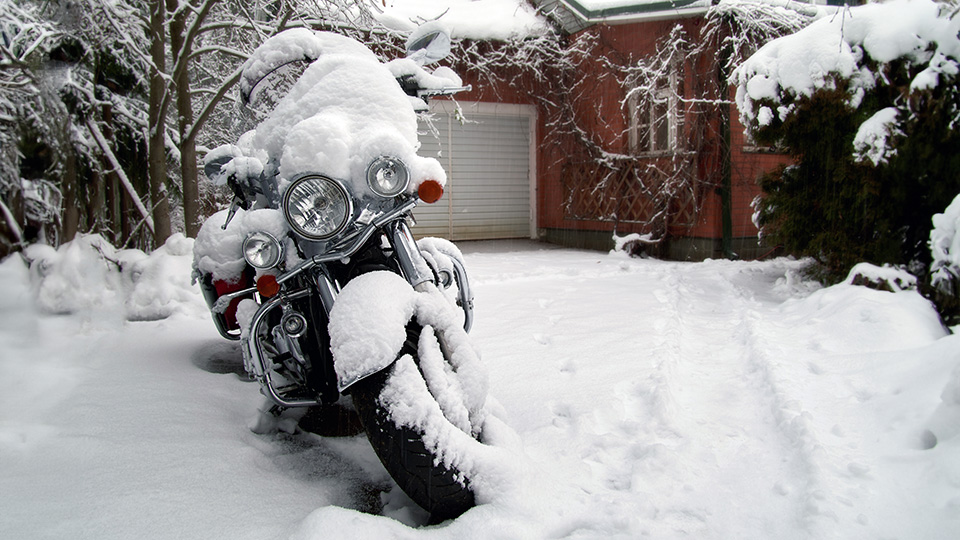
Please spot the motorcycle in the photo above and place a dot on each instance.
(314, 270)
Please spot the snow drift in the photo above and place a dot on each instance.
(644, 398)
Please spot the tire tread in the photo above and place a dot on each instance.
(418, 471)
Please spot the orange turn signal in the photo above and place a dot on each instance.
(430, 191)
(267, 285)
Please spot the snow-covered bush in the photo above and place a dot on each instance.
(89, 274)
(635, 244)
(856, 50)
(883, 278)
(945, 245)
(945, 268)
(866, 101)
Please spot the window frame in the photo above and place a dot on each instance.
(644, 137)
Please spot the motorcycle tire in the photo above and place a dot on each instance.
(419, 472)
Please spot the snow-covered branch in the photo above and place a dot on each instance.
(228, 51)
(118, 169)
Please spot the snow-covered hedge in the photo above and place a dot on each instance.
(856, 46)
(89, 273)
(945, 247)
(885, 278)
(866, 102)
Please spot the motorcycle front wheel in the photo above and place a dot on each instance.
(416, 464)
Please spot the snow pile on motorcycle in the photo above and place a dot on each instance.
(314, 269)
(343, 112)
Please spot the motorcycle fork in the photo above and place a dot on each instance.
(418, 272)
(412, 264)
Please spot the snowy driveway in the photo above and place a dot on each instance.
(716, 400)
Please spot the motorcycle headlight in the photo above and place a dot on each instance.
(387, 176)
(317, 207)
(262, 250)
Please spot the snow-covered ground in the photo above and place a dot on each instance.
(711, 400)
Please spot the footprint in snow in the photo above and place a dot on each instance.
(662, 296)
(562, 415)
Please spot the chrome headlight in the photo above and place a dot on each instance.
(262, 250)
(317, 207)
(387, 176)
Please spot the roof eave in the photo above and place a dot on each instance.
(573, 17)
(667, 9)
(648, 17)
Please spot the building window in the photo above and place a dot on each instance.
(655, 119)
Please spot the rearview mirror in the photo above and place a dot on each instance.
(216, 159)
(429, 43)
(227, 161)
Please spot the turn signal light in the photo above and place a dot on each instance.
(267, 285)
(430, 191)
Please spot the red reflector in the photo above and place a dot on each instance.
(267, 285)
(430, 191)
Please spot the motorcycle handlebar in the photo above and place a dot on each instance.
(431, 92)
(350, 244)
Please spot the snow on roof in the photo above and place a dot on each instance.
(468, 19)
(575, 15)
(613, 6)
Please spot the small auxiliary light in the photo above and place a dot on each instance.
(267, 285)
(430, 191)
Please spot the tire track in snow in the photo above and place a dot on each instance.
(833, 483)
(682, 440)
(675, 424)
(814, 492)
(709, 397)
(792, 422)
(648, 406)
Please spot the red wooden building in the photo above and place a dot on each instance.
(606, 145)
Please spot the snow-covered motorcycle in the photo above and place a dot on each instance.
(314, 269)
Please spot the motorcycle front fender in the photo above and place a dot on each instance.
(368, 325)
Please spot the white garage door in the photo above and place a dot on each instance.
(489, 164)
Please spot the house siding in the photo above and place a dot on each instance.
(693, 234)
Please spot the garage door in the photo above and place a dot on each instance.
(488, 159)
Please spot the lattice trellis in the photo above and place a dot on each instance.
(654, 191)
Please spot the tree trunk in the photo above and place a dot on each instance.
(188, 147)
(95, 202)
(191, 190)
(157, 160)
(71, 211)
(112, 192)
